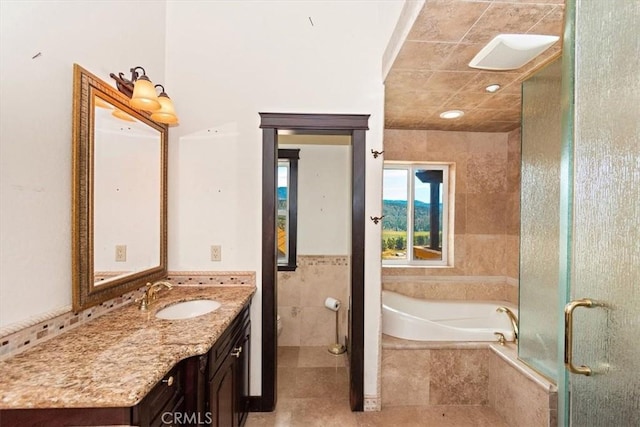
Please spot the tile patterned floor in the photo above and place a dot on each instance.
(313, 391)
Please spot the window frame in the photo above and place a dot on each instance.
(411, 168)
(292, 156)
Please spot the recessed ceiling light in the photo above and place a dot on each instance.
(493, 88)
(452, 114)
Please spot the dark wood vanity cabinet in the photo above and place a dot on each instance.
(158, 408)
(212, 389)
(228, 375)
(164, 401)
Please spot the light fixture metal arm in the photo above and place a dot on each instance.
(125, 85)
(376, 153)
(376, 219)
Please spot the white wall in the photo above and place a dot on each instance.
(224, 62)
(228, 61)
(35, 131)
(324, 199)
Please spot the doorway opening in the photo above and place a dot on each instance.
(354, 125)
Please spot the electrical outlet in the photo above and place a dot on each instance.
(216, 253)
(121, 253)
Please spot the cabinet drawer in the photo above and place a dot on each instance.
(166, 396)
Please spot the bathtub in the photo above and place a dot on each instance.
(443, 320)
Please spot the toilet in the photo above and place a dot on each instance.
(279, 325)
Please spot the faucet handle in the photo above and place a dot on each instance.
(150, 293)
(153, 289)
(501, 338)
(160, 283)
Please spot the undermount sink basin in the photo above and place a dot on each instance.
(188, 309)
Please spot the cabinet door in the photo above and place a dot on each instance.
(195, 385)
(242, 378)
(165, 402)
(222, 394)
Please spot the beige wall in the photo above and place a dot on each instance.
(487, 203)
(301, 296)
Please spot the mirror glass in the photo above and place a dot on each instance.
(126, 197)
(119, 206)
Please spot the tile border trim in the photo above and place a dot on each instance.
(22, 335)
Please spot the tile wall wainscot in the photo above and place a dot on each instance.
(487, 199)
(480, 374)
(518, 393)
(301, 296)
(18, 337)
(487, 288)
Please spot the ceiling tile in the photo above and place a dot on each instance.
(501, 115)
(422, 55)
(480, 81)
(460, 57)
(504, 18)
(450, 81)
(446, 20)
(480, 115)
(496, 101)
(418, 100)
(551, 24)
(561, 2)
(407, 80)
(465, 101)
(398, 111)
(431, 73)
(504, 126)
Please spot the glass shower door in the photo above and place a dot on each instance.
(540, 220)
(600, 203)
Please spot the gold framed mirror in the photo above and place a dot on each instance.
(119, 203)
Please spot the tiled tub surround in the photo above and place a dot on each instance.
(301, 296)
(117, 358)
(21, 336)
(487, 196)
(518, 393)
(480, 374)
(477, 288)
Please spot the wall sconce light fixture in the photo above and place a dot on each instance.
(144, 96)
(167, 112)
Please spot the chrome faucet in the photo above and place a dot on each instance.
(512, 318)
(150, 294)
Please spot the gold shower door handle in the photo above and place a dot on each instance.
(568, 335)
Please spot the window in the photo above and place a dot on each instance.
(415, 226)
(287, 206)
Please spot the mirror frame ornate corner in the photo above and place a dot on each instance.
(85, 292)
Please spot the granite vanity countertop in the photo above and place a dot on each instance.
(116, 359)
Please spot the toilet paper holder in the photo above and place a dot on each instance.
(334, 304)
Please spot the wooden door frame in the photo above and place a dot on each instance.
(355, 125)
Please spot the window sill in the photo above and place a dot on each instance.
(398, 266)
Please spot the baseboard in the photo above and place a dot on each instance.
(257, 404)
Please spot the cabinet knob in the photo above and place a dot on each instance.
(169, 381)
(236, 351)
